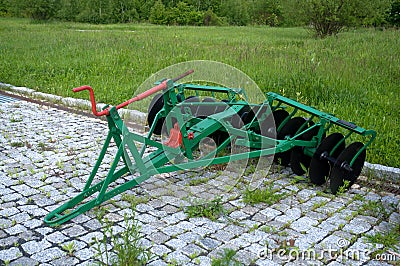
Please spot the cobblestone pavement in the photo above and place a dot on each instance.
(46, 155)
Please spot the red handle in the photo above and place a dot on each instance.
(153, 90)
(143, 95)
(139, 97)
(92, 100)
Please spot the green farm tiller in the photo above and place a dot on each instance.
(294, 134)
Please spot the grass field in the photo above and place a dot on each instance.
(355, 75)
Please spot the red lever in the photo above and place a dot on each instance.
(92, 100)
(139, 97)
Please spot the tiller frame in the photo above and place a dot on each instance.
(302, 142)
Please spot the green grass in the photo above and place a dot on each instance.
(355, 75)
(389, 240)
(126, 248)
(375, 209)
(17, 144)
(227, 259)
(211, 209)
(266, 195)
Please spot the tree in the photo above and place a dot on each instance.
(211, 19)
(158, 13)
(184, 14)
(204, 5)
(41, 9)
(122, 11)
(370, 13)
(143, 8)
(325, 17)
(236, 11)
(329, 17)
(394, 14)
(69, 10)
(267, 12)
(180, 14)
(4, 9)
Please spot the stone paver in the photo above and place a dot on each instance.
(45, 158)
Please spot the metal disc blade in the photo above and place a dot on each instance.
(194, 107)
(299, 162)
(236, 121)
(245, 108)
(221, 108)
(269, 126)
(318, 171)
(288, 130)
(283, 158)
(244, 117)
(206, 110)
(279, 116)
(291, 127)
(313, 132)
(219, 136)
(247, 117)
(328, 143)
(320, 168)
(339, 174)
(156, 104)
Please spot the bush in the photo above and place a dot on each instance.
(329, 17)
(325, 17)
(237, 12)
(180, 14)
(3, 8)
(211, 19)
(69, 10)
(267, 12)
(158, 13)
(394, 14)
(196, 18)
(41, 9)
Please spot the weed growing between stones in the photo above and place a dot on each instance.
(17, 144)
(126, 246)
(70, 248)
(15, 119)
(209, 209)
(267, 195)
(343, 188)
(133, 199)
(43, 147)
(198, 181)
(389, 239)
(269, 229)
(227, 259)
(375, 209)
(251, 169)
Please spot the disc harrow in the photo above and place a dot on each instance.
(210, 118)
(323, 158)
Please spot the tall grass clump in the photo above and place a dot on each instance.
(126, 247)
